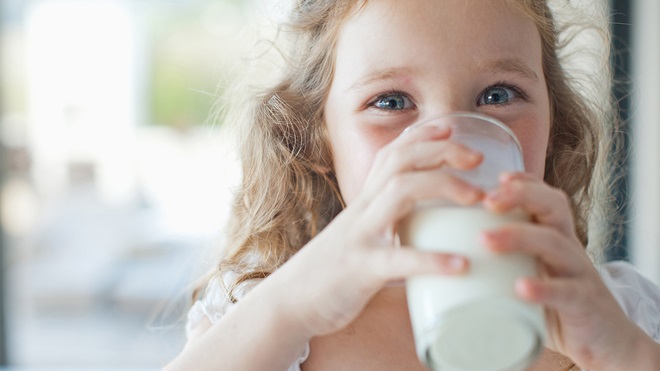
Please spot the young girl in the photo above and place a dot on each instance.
(310, 279)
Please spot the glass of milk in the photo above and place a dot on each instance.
(473, 321)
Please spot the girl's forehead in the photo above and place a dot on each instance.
(457, 33)
(449, 13)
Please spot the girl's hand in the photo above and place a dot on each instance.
(335, 275)
(584, 320)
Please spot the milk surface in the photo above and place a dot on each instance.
(473, 321)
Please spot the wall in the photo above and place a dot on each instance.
(645, 215)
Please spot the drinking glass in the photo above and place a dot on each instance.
(473, 321)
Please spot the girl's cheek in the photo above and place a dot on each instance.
(532, 133)
(353, 158)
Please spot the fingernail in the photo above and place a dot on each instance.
(495, 196)
(486, 236)
(506, 177)
(440, 127)
(492, 239)
(457, 263)
(474, 156)
(440, 130)
(473, 195)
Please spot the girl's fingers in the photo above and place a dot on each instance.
(535, 290)
(402, 192)
(547, 244)
(421, 149)
(546, 205)
(417, 157)
(559, 293)
(432, 154)
(430, 133)
(399, 263)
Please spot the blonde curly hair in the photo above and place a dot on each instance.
(289, 192)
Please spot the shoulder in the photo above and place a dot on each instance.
(638, 297)
(215, 300)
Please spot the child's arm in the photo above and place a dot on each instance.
(259, 333)
(644, 354)
(584, 320)
(325, 286)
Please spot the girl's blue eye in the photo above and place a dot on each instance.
(392, 102)
(497, 95)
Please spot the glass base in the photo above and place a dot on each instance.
(484, 336)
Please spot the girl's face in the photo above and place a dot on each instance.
(400, 62)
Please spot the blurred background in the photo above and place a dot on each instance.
(114, 182)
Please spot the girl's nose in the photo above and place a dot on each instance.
(449, 99)
(447, 111)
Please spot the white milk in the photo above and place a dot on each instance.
(473, 321)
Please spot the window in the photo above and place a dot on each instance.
(116, 181)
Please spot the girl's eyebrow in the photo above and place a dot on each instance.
(514, 65)
(393, 73)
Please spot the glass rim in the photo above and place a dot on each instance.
(474, 115)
